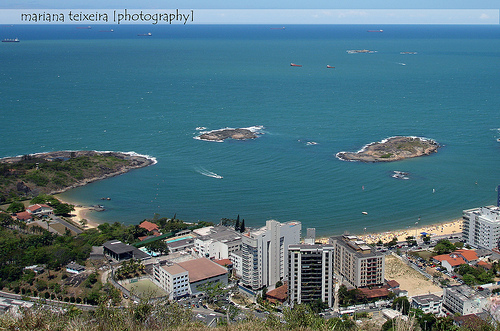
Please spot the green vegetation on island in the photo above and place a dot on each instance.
(27, 176)
(392, 149)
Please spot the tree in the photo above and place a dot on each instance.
(392, 243)
(469, 279)
(63, 209)
(237, 225)
(16, 207)
(401, 304)
(426, 240)
(158, 246)
(242, 228)
(411, 241)
(279, 283)
(444, 246)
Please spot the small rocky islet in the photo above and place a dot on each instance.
(223, 134)
(392, 149)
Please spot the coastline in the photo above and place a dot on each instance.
(81, 212)
(447, 228)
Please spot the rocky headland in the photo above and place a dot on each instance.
(223, 134)
(392, 149)
(54, 172)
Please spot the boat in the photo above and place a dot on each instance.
(145, 34)
(400, 175)
(84, 27)
(364, 213)
(375, 30)
(107, 30)
(409, 53)
(15, 40)
(295, 65)
(356, 51)
(282, 28)
(329, 66)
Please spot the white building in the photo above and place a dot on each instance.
(265, 253)
(481, 227)
(310, 273)
(172, 278)
(183, 278)
(237, 259)
(217, 242)
(464, 300)
(428, 303)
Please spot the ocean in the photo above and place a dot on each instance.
(64, 88)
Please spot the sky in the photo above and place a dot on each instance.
(283, 11)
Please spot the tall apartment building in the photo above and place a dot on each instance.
(310, 273)
(265, 253)
(356, 262)
(481, 227)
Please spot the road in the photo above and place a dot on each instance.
(66, 224)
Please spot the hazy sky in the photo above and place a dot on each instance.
(293, 12)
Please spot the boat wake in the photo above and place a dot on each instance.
(205, 172)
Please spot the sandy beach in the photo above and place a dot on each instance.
(446, 228)
(81, 212)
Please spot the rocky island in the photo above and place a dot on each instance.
(223, 134)
(27, 176)
(392, 149)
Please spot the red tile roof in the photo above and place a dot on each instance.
(392, 283)
(202, 268)
(224, 262)
(484, 265)
(24, 216)
(149, 226)
(453, 261)
(278, 294)
(467, 254)
(374, 292)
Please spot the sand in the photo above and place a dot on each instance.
(448, 228)
(408, 278)
(81, 212)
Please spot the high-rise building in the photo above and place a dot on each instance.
(310, 273)
(265, 253)
(481, 227)
(356, 262)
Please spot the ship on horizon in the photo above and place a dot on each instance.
(84, 27)
(329, 66)
(375, 31)
(145, 34)
(15, 40)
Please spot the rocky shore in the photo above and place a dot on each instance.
(223, 134)
(32, 174)
(392, 149)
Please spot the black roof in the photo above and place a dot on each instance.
(118, 247)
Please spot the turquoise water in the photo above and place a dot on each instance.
(68, 89)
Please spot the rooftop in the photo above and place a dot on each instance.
(426, 298)
(279, 293)
(202, 268)
(118, 247)
(174, 269)
(149, 226)
(222, 234)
